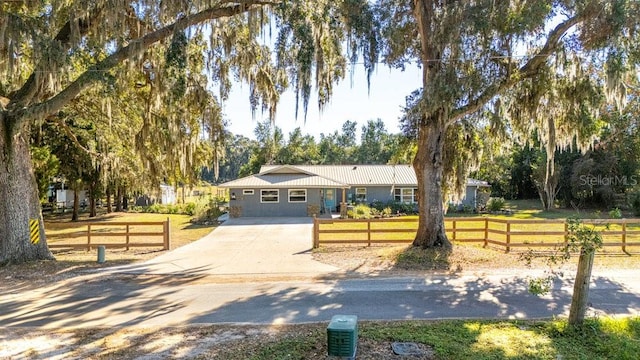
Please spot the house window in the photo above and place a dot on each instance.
(269, 196)
(247, 192)
(406, 195)
(298, 195)
(361, 194)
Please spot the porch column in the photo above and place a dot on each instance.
(343, 204)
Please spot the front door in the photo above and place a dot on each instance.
(330, 199)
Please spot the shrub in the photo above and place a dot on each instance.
(360, 212)
(378, 205)
(387, 212)
(496, 204)
(190, 209)
(402, 208)
(207, 214)
(155, 209)
(635, 204)
(615, 213)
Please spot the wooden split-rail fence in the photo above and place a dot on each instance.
(122, 235)
(507, 234)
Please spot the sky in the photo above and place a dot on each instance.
(350, 101)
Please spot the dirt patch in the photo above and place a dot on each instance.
(406, 260)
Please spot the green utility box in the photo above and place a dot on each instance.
(342, 335)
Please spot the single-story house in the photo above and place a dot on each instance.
(306, 190)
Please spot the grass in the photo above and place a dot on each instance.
(602, 338)
(60, 229)
(472, 229)
(597, 338)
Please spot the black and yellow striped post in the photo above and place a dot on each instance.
(34, 231)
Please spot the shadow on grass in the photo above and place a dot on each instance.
(191, 226)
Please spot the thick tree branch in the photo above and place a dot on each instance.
(29, 89)
(74, 138)
(529, 69)
(94, 74)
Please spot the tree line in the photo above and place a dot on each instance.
(604, 174)
(370, 143)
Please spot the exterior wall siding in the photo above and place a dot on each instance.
(250, 205)
(374, 193)
(469, 196)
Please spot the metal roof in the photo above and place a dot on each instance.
(283, 181)
(333, 176)
(371, 175)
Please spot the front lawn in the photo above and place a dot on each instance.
(601, 338)
(70, 263)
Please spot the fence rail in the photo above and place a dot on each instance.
(127, 230)
(505, 233)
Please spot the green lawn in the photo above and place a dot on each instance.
(470, 227)
(59, 229)
(601, 338)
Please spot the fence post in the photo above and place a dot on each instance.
(453, 230)
(486, 232)
(624, 237)
(368, 232)
(167, 234)
(566, 234)
(89, 237)
(316, 233)
(508, 235)
(127, 232)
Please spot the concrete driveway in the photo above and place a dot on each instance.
(246, 247)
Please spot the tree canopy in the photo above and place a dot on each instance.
(156, 63)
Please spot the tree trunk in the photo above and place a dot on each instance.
(548, 195)
(125, 199)
(431, 134)
(550, 182)
(92, 199)
(429, 171)
(581, 288)
(119, 199)
(108, 200)
(76, 204)
(548, 187)
(19, 201)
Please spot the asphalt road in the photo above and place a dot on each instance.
(260, 271)
(128, 300)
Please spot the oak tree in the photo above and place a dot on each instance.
(41, 43)
(474, 52)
